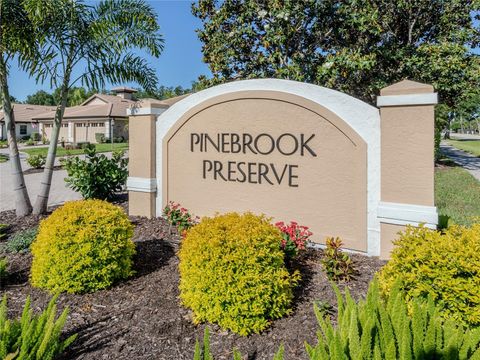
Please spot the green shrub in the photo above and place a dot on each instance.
(83, 145)
(377, 329)
(37, 161)
(337, 264)
(33, 337)
(81, 247)
(29, 142)
(21, 241)
(100, 138)
(232, 273)
(35, 136)
(96, 176)
(3, 270)
(443, 265)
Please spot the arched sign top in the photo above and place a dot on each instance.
(363, 118)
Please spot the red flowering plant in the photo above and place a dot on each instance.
(180, 217)
(294, 237)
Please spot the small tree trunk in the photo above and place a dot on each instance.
(23, 206)
(42, 199)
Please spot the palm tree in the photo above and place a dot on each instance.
(95, 42)
(16, 39)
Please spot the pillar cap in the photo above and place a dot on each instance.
(407, 93)
(406, 87)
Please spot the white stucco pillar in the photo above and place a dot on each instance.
(107, 129)
(71, 131)
(41, 130)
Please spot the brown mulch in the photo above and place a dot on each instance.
(34, 171)
(142, 318)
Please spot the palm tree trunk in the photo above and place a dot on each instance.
(23, 206)
(42, 199)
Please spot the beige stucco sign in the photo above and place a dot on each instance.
(293, 151)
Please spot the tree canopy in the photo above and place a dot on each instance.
(355, 46)
(76, 96)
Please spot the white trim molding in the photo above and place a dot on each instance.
(145, 111)
(408, 214)
(406, 100)
(140, 184)
(363, 118)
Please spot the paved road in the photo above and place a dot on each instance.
(59, 192)
(468, 162)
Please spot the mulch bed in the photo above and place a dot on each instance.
(35, 171)
(142, 318)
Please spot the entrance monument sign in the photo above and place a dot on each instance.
(292, 151)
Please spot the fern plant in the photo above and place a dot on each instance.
(202, 352)
(3, 231)
(3, 270)
(33, 337)
(21, 241)
(378, 329)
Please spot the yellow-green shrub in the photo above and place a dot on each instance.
(445, 265)
(232, 273)
(82, 246)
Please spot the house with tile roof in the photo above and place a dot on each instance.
(99, 114)
(25, 125)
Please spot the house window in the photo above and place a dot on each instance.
(23, 129)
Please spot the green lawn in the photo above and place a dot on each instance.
(3, 158)
(61, 151)
(471, 146)
(457, 195)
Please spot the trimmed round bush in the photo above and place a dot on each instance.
(444, 265)
(82, 247)
(232, 273)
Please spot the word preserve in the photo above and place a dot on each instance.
(258, 144)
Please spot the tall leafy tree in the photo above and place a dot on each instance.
(40, 97)
(163, 92)
(76, 95)
(98, 43)
(17, 39)
(267, 38)
(355, 46)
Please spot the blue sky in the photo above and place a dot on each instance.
(179, 64)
